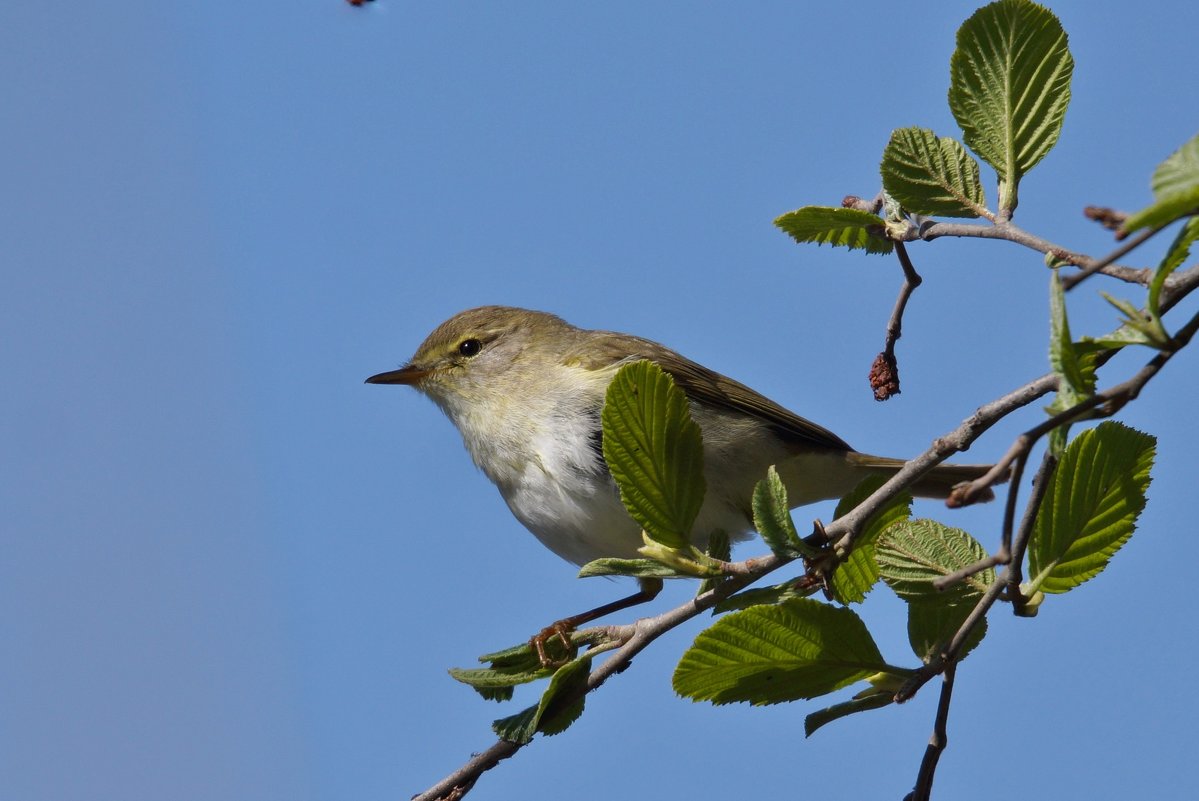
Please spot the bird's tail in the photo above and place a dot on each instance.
(937, 483)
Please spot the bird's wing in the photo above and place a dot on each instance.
(711, 388)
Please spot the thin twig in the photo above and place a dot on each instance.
(884, 373)
(842, 532)
(1013, 233)
(994, 560)
(1106, 403)
(1015, 571)
(937, 742)
(1071, 281)
(636, 637)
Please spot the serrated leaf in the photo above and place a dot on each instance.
(768, 654)
(1179, 172)
(1091, 507)
(508, 668)
(932, 176)
(1010, 86)
(654, 451)
(872, 700)
(553, 713)
(827, 225)
(1175, 190)
(489, 678)
(639, 568)
(914, 553)
(858, 573)
(772, 518)
(931, 625)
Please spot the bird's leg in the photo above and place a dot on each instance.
(648, 589)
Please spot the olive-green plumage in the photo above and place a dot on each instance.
(525, 389)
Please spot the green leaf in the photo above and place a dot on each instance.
(555, 712)
(1091, 508)
(486, 680)
(1175, 190)
(1179, 252)
(1164, 211)
(640, 568)
(1179, 172)
(851, 228)
(508, 668)
(858, 573)
(1076, 374)
(1139, 327)
(931, 625)
(655, 452)
(932, 176)
(1010, 86)
(914, 553)
(772, 518)
(769, 654)
(873, 699)
(721, 549)
(1072, 381)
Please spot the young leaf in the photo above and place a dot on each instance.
(931, 625)
(1073, 382)
(914, 553)
(1010, 86)
(772, 518)
(1180, 251)
(1076, 374)
(873, 699)
(858, 574)
(1164, 211)
(508, 668)
(641, 568)
(552, 714)
(1179, 172)
(655, 452)
(769, 654)
(1091, 508)
(932, 176)
(1175, 190)
(851, 228)
(487, 681)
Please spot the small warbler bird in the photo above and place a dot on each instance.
(526, 389)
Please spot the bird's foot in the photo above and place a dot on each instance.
(553, 645)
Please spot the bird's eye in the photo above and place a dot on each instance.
(470, 347)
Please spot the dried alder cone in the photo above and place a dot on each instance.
(884, 377)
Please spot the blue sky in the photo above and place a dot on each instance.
(232, 571)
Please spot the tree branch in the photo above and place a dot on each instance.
(884, 373)
(937, 743)
(1013, 233)
(842, 532)
(635, 637)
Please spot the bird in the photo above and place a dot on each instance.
(526, 390)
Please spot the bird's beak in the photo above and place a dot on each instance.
(408, 374)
